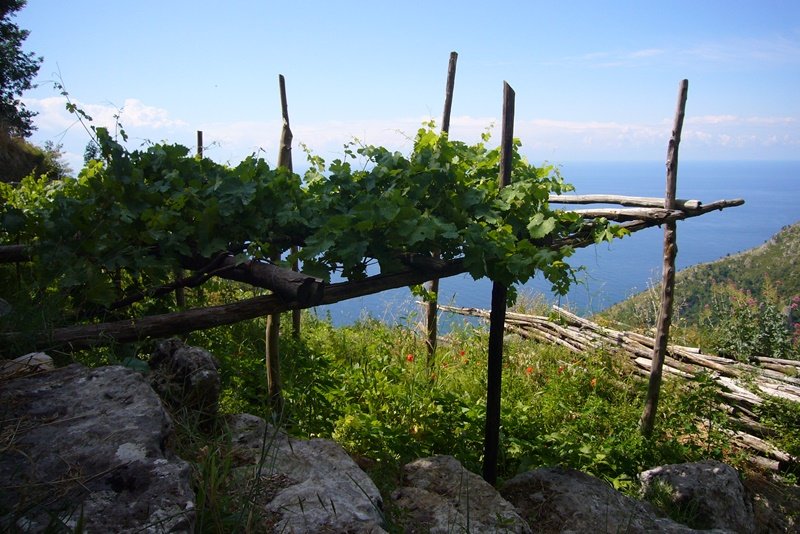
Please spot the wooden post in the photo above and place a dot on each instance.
(498, 314)
(180, 292)
(668, 275)
(433, 286)
(285, 160)
(274, 320)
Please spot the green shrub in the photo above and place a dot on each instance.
(742, 327)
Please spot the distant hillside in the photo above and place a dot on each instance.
(776, 261)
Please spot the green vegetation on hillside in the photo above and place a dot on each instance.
(741, 306)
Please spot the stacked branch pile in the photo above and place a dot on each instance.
(767, 376)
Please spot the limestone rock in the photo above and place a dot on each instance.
(30, 363)
(310, 486)
(555, 499)
(440, 496)
(89, 445)
(711, 489)
(186, 377)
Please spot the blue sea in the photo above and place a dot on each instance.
(613, 272)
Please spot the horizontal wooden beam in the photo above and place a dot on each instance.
(169, 324)
(622, 200)
(289, 285)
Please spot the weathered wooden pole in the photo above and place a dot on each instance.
(274, 320)
(285, 160)
(668, 274)
(180, 292)
(498, 314)
(432, 311)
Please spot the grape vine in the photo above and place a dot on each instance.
(132, 218)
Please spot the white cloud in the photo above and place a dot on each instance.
(771, 120)
(736, 120)
(711, 119)
(647, 52)
(777, 50)
(774, 50)
(53, 115)
(553, 139)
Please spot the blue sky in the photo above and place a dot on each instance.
(593, 80)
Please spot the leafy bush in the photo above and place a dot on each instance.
(783, 416)
(742, 327)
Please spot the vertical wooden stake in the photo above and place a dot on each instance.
(285, 148)
(497, 318)
(274, 320)
(432, 307)
(180, 293)
(285, 160)
(668, 275)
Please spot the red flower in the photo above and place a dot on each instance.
(461, 353)
(560, 369)
(529, 370)
(409, 357)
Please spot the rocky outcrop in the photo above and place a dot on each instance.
(33, 362)
(186, 378)
(88, 447)
(555, 499)
(711, 491)
(440, 496)
(307, 486)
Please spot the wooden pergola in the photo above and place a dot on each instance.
(295, 290)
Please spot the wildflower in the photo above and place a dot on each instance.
(461, 353)
(529, 370)
(409, 357)
(593, 382)
(560, 369)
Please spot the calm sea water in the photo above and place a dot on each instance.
(615, 271)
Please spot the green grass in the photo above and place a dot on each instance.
(369, 387)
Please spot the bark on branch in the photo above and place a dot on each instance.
(163, 325)
(288, 284)
(622, 200)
